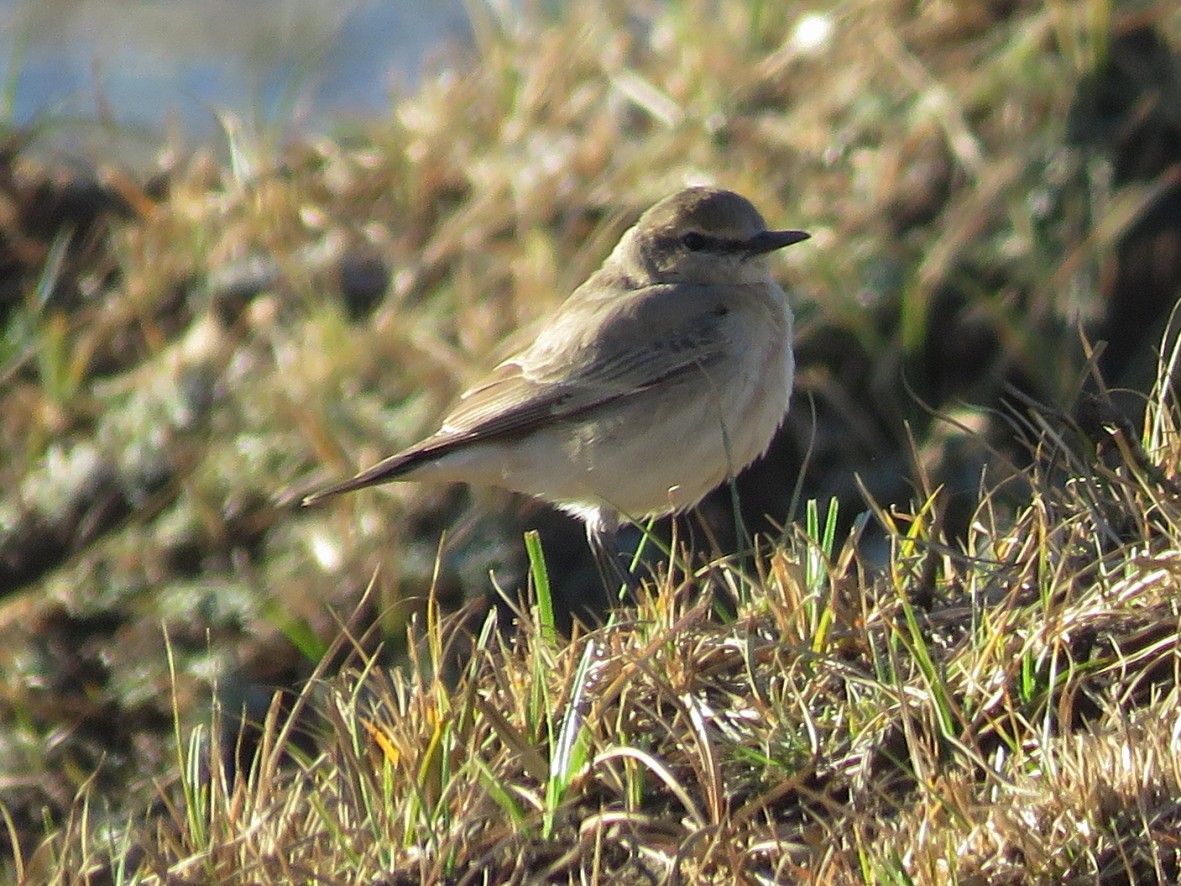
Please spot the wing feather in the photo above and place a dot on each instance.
(647, 344)
(596, 350)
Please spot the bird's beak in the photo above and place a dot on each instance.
(769, 241)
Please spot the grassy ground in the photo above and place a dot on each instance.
(963, 670)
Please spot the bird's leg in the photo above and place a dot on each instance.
(603, 537)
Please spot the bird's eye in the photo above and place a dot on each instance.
(694, 241)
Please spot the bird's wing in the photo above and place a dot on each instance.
(588, 356)
(634, 345)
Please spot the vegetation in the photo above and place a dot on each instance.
(963, 669)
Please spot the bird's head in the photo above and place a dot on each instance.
(701, 235)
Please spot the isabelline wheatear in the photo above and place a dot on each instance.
(664, 374)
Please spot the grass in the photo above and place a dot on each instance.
(957, 661)
(1019, 728)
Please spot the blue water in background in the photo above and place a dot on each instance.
(119, 78)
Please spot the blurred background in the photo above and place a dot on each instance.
(119, 76)
(247, 247)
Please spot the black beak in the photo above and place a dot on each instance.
(769, 241)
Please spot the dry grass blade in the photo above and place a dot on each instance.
(962, 669)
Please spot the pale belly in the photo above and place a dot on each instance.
(656, 452)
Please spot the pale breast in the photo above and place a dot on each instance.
(661, 448)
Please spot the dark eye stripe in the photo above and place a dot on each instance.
(695, 241)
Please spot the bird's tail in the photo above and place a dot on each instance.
(383, 472)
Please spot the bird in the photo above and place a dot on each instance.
(663, 375)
